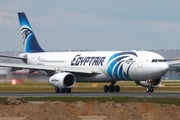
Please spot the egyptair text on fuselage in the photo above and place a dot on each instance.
(79, 60)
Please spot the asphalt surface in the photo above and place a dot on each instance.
(88, 94)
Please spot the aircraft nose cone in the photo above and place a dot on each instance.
(163, 68)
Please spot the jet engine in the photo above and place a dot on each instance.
(153, 83)
(62, 80)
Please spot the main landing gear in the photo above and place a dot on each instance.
(61, 90)
(112, 87)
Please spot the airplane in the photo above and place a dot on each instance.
(65, 68)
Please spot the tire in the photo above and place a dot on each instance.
(117, 88)
(106, 88)
(68, 90)
(152, 89)
(57, 90)
(62, 90)
(149, 89)
(111, 88)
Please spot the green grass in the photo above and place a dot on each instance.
(27, 86)
(130, 86)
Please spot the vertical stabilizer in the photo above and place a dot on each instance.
(30, 42)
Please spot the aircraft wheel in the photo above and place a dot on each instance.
(117, 88)
(106, 88)
(68, 90)
(147, 89)
(111, 88)
(150, 89)
(62, 90)
(57, 90)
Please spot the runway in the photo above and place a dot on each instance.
(88, 94)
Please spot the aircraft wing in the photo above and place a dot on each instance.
(14, 57)
(173, 62)
(49, 68)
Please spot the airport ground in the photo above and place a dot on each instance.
(125, 86)
(87, 108)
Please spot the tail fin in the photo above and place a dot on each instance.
(29, 40)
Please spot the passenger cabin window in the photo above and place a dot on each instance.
(158, 60)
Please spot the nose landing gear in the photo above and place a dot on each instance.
(112, 87)
(150, 89)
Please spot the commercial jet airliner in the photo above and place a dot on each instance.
(66, 68)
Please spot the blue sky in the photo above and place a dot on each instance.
(93, 24)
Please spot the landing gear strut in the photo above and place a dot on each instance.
(62, 90)
(112, 87)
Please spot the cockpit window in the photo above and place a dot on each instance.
(158, 60)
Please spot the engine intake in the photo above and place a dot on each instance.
(62, 80)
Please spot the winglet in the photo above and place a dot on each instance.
(29, 40)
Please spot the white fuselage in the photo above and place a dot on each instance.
(111, 65)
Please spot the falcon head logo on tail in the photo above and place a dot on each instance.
(29, 40)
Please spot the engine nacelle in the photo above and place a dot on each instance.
(62, 80)
(153, 83)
